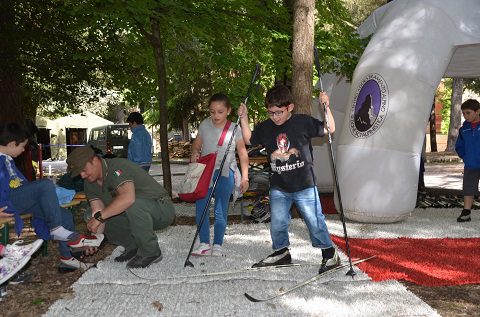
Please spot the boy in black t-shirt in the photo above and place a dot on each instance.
(286, 137)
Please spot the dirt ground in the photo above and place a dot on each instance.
(47, 285)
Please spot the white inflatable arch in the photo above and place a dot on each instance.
(378, 147)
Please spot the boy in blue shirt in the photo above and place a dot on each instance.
(468, 148)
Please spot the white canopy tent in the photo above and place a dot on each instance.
(42, 122)
(85, 120)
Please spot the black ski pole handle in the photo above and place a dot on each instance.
(319, 73)
(317, 66)
(255, 75)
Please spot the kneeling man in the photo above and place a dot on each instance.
(127, 204)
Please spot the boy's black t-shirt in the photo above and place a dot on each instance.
(289, 150)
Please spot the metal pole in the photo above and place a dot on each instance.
(351, 272)
(152, 104)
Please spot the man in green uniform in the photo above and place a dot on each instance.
(127, 204)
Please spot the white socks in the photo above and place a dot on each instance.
(61, 234)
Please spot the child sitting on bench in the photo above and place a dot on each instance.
(50, 221)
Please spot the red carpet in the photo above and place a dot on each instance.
(428, 262)
(328, 206)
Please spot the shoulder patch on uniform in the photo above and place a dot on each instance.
(118, 172)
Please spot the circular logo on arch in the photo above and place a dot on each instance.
(370, 106)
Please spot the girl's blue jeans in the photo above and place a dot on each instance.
(308, 203)
(222, 194)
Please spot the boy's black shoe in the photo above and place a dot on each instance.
(20, 278)
(126, 255)
(464, 216)
(280, 257)
(140, 262)
(329, 263)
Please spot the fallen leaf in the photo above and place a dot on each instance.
(67, 295)
(157, 305)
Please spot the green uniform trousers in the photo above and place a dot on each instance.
(135, 228)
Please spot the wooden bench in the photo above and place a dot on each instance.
(5, 223)
(5, 231)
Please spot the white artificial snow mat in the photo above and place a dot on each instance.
(421, 224)
(168, 289)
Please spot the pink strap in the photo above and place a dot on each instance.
(224, 133)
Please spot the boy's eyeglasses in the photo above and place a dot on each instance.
(275, 113)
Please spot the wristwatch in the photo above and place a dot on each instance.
(98, 216)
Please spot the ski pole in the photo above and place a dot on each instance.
(350, 272)
(210, 195)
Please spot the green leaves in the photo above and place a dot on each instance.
(72, 52)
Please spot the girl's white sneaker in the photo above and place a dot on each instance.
(217, 250)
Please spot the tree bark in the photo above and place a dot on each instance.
(302, 53)
(10, 87)
(162, 101)
(185, 130)
(455, 113)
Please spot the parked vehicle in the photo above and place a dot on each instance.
(112, 140)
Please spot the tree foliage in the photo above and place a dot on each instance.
(360, 9)
(74, 53)
(339, 46)
(56, 62)
(472, 85)
(210, 47)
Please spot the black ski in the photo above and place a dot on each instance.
(248, 269)
(306, 282)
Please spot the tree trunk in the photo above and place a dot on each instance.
(185, 130)
(302, 53)
(162, 101)
(433, 130)
(120, 113)
(10, 91)
(455, 113)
